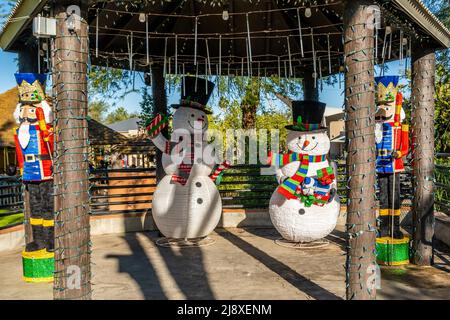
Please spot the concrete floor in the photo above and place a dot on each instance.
(242, 264)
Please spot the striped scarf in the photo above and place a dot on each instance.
(184, 170)
(290, 186)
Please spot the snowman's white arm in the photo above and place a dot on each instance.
(283, 173)
(280, 175)
(277, 160)
(335, 169)
(160, 142)
(210, 164)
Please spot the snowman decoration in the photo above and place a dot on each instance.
(186, 203)
(305, 206)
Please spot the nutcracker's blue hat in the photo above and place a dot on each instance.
(387, 88)
(31, 87)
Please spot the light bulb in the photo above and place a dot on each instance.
(142, 17)
(308, 12)
(225, 15)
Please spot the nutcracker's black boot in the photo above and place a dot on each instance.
(49, 233)
(384, 227)
(398, 234)
(38, 242)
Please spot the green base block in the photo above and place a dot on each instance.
(393, 252)
(38, 266)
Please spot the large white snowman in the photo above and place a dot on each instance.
(305, 206)
(186, 203)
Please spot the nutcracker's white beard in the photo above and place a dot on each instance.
(24, 135)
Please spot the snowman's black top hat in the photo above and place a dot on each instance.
(197, 92)
(308, 115)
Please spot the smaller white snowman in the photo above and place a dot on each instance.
(186, 203)
(305, 206)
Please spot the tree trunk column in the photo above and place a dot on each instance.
(160, 101)
(360, 132)
(422, 101)
(71, 171)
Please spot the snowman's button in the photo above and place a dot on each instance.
(199, 200)
(302, 211)
(198, 145)
(198, 184)
(199, 160)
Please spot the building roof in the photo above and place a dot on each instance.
(334, 116)
(126, 125)
(330, 111)
(419, 13)
(8, 103)
(101, 135)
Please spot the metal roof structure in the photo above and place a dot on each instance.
(258, 37)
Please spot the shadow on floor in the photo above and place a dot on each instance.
(140, 268)
(338, 238)
(442, 256)
(186, 266)
(288, 274)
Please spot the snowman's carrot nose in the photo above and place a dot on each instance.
(306, 143)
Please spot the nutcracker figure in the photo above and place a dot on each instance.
(34, 148)
(392, 145)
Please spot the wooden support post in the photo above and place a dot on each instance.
(71, 170)
(422, 101)
(27, 64)
(360, 131)
(310, 91)
(160, 101)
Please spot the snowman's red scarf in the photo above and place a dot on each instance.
(184, 170)
(290, 186)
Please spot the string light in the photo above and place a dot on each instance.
(308, 12)
(225, 15)
(142, 17)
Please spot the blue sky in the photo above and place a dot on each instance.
(332, 95)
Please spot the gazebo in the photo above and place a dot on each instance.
(300, 39)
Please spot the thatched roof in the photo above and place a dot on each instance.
(99, 134)
(8, 102)
(136, 145)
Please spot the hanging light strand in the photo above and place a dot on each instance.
(96, 35)
(195, 39)
(300, 32)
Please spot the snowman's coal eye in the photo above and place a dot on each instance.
(314, 138)
(192, 115)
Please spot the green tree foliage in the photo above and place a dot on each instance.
(147, 106)
(111, 84)
(5, 9)
(120, 114)
(442, 108)
(253, 94)
(442, 10)
(98, 110)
